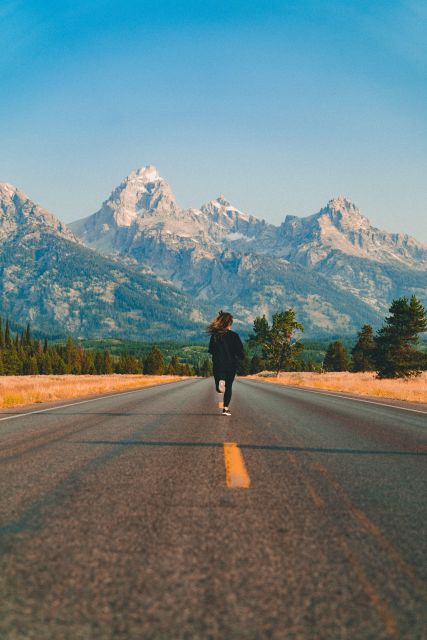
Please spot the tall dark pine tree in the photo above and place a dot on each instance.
(336, 357)
(362, 351)
(395, 353)
(154, 363)
(7, 336)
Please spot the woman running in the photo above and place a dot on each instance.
(226, 349)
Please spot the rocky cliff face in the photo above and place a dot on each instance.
(49, 277)
(334, 267)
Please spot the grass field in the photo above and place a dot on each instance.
(23, 390)
(414, 390)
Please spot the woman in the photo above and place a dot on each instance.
(226, 349)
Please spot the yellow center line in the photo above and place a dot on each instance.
(236, 473)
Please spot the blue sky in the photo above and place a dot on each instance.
(277, 105)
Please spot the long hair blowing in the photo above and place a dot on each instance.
(221, 324)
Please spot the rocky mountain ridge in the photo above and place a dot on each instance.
(49, 277)
(142, 254)
(223, 256)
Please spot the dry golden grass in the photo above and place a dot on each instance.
(23, 390)
(414, 390)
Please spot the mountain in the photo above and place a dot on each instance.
(49, 277)
(334, 267)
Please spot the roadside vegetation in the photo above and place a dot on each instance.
(24, 390)
(368, 384)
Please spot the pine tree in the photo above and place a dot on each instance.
(395, 352)
(1, 335)
(362, 352)
(11, 362)
(89, 363)
(27, 335)
(336, 357)
(175, 368)
(244, 365)
(99, 362)
(107, 363)
(277, 342)
(154, 362)
(7, 336)
(261, 334)
(257, 364)
(206, 369)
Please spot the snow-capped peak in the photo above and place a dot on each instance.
(144, 175)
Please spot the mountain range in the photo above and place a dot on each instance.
(142, 266)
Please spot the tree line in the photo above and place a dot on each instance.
(392, 352)
(21, 354)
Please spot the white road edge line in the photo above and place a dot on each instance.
(325, 392)
(72, 404)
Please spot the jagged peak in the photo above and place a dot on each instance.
(7, 189)
(17, 210)
(341, 203)
(146, 174)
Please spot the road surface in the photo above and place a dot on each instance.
(126, 517)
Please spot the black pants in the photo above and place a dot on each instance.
(228, 377)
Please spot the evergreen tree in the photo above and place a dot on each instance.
(276, 341)
(362, 352)
(257, 364)
(1, 335)
(27, 335)
(261, 334)
(1, 364)
(7, 336)
(175, 368)
(89, 363)
(206, 368)
(11, 362)
(107, 363)
(336, 357)
(154, 362)
(99, 362)
(244, 365)
(187, 370)
(44, 364)
(395, 352)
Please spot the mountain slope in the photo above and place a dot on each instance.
(51, 278)
(334, 267)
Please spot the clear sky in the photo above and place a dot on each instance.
(277, 105)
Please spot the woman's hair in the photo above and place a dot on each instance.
(221, 324)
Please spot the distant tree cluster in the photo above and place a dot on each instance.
(392, 352)
(21, 354)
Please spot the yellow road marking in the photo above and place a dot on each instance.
(236, 473)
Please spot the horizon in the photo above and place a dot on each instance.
(280, 109)
(251, 214)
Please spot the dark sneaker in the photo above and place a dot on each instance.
(226, 412)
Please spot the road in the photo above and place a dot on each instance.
(126, 518)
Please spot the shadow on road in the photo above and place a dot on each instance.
(264, 447)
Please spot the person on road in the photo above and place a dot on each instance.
(226, 349)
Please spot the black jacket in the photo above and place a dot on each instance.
(226, 350)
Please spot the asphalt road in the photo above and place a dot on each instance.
(120, 518)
